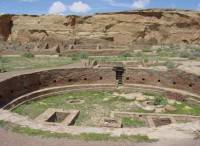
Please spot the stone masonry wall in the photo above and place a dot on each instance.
(22, 84)
(171, 79)
(16, 86)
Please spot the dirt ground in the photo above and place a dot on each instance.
(12, 139)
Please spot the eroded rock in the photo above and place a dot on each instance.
(153, 26)
(170, 108)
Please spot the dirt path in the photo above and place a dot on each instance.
(13, 139)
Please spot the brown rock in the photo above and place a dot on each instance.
(57, 49)
(146, 26)
(170, 108)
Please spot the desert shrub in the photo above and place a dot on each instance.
(126, 54)
(185, 54)
(170, 65)
(138, 54)
(160, 101)
(167, 52)
(3, 60)
(195, 53)
(83, 55)
(145, 59)
(28, 55)
(147, 50)
(159, 50)
(197, 50)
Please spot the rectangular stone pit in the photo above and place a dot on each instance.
(152, 120)
(58, 116)
(161, 121)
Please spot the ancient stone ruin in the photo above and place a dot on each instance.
(123, 73)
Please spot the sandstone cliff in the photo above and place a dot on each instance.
(144, 26)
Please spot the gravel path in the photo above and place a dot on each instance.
(14, 139)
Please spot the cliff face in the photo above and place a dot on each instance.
(144, 26)
(5, 27)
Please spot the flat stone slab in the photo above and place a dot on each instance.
(149, 108)
(110, 122)
(170, 108)
(58, 116)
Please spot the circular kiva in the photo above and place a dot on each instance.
(20, 88)
(15, 85)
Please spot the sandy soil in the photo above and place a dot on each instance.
(13, 139)
(190, 67)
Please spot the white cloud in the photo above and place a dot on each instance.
(140, 4)
(57, 8)
(79, 7)
(136, 4)
(117, 4)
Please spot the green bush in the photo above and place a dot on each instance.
(126, 55)
(197, 50)
(84, 55)
(160, 101)
(159, 50)
(195, 53)
(145, 59)
(3, 60)
(167, 52)
(28, 55)
(147, 50)
(139, 54)
(185, 54)
(170, 65)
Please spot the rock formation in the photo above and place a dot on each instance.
(152, 26)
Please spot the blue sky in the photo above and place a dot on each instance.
(89, 6)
